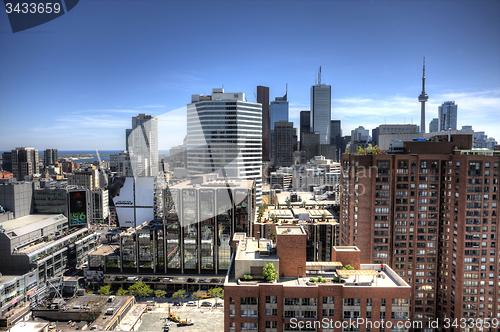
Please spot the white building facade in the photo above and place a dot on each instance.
(224, 136)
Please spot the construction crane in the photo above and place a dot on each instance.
(98, 157)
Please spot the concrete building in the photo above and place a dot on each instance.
(99, 205)
(321, 110)
(284, 143)
(142, 145)
(280, 180)
(447, 116)
(88, 178)
(305, 125)
(43, 243)
(24, 162)
(263, 98)
(17, 197)
(434, 125)
(224, 136)
(291, 303)
(50, 200)
(389, 133)
(431, 213)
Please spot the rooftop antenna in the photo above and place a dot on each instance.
(315, 78)
(286, 92)
(319, 75)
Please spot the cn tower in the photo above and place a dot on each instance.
(422, 99)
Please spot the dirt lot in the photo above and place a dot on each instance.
(205, 319)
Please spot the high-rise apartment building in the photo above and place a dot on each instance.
(142, 143)
(285, 143)
(88, 178)
(24, 162)
(49, 157)
(305, 124)
(447, 116)
(263, 98)
(321, 110)
(431, 213)
(7, 161)
(434, 125)
(224, 135)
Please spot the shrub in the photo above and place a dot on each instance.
(246, 277)
(312, 279)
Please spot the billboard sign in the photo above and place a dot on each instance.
(78, 208)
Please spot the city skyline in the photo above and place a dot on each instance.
(75, 83)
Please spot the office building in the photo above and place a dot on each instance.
(297, 301)
(278, 110)
(24, 163)
(305, 124)
(388, 134)
(224, 135)
(44, 243)
(263, 98)
(434, 125)
(279, 180)
(17, 197)
(99, 205)
(88, 178)
(142, 145)
(447, 113)
(7, 161)
(310, 144)
(285, 143)
(431, 212)
(321, 110)
(336, 136)
(200, 217)
(422, 98)
(49, 157)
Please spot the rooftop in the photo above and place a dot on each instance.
(250, 248)
(27, 224)
(292, 230)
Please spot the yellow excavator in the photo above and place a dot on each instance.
(173, 317)
(186, 322)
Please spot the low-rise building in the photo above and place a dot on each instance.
(357, 299)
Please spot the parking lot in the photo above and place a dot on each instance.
(207, 319)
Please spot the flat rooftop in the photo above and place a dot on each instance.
(103, 251)
(27, 224)
(249, 249)
(292, 230)
(4, 279)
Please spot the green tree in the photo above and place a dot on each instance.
(105, 290)
(323, 217)
(140, 289)
(272, 233)
(180, 294)
(269, 272)
(121, 291)
(197, 296)
(348, 267)
(160, 293)
(217, 293)
(288, 204)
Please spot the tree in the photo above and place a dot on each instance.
(269, 272)
(160, 293)
(180, 294)
(121, 291)
(288, 204)
(217, 293)
(348, 267)
(323, 217)
(272, 233)
(105, 290)
(197, 296)
(140, 289)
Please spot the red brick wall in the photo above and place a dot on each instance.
(291, 250)
(347, 257)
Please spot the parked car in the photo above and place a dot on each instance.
(177, 304)
(146, 279)
(191, 304)
(219, 304)
(190, 280)
(214, 280)
(206, 304)
(202, 280)
(167, 279)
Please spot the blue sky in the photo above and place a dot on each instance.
(76, 81)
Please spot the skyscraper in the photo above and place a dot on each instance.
(285, 143)
(321, 110)
(142, 145)
(447, 116)
(49, 157)
(434, 125)
(24, 162)
(279, 112)
(422, 99)
(335, 136)
(263, 98)
(224, 135)
(305, 124)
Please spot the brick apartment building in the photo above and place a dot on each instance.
(292, 303)
(431, 213)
